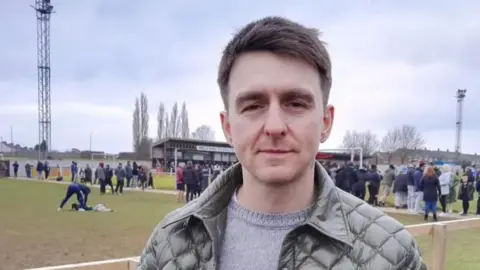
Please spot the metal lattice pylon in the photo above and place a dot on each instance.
(43, 10)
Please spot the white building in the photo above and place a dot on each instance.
(4, 148)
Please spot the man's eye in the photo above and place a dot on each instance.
(251, 108)
(297, 104)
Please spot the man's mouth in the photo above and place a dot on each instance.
(275, 151)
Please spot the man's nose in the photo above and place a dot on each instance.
(274, 123)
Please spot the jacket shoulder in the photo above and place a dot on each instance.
(380, 241)
(158, 250)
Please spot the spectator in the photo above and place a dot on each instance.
(446, 180)
(430, 186)
(190, 179)
(180, 183)
(135, 173)
(120, 173)
(373, 185)
(15, 169)
(417, 178)
(400, 189)
(128, 173)
(464, 195)
(359, 187)
(100, 174)
(411, 188)
(386, 184)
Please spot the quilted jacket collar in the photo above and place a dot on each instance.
(328, 216)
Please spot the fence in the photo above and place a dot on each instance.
(437, 231)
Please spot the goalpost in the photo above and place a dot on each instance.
(352, 153)
(112, 157)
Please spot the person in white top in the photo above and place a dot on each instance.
(445, 179)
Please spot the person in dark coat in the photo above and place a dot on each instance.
(88, 174)
(39, 170)
(346, 178)
(478, 200)
(128, 173)
(190, 179)
(108, 178)
(205, 177)
(198, 173)
(359, 187)
(400, 189)
(142, 177)
(464, 194)
(135, 175)
(80, 190)
(15, 169)
(373, 185)
(120, 173)
(430, 186)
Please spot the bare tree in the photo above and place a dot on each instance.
(391, 142)
(168, 127)
(161, 121)
(144, 118)
(184, 129)
(136, 127)
(204, 132)
(175, 121)
(410, 140)
(367, 140)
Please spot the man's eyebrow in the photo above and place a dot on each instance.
(298, 93)
(294, 93)
(248, 96)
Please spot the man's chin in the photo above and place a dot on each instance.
(275, 175)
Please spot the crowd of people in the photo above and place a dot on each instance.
(418, 189)
(193, 179)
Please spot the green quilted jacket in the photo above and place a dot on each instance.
(342, 233)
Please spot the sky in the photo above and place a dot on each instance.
(394, 63)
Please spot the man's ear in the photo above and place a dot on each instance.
(226, 126)
(328, 118)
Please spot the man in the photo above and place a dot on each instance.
(15, 169)
(417, 179)
(386, 184)
(374, 180)
(128, 172)
(277, 208)
(108, 178)
(101, 175)
(28, 170)
(205, 177)
(81, 191)
(88, 174)
(411, 188)
(74, 171)
(347, 178)
(190, 180)
(120, 173)
(180, 183)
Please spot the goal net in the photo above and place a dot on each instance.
(105, 157)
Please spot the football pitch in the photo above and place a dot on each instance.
(34, 234)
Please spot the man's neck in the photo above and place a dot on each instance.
(294, 196)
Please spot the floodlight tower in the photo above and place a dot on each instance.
(43, 10)
(458, 141)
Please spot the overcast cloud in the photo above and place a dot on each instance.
(395, 62)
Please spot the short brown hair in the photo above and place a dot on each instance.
(279, 36)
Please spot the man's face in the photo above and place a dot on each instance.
(276, 118)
